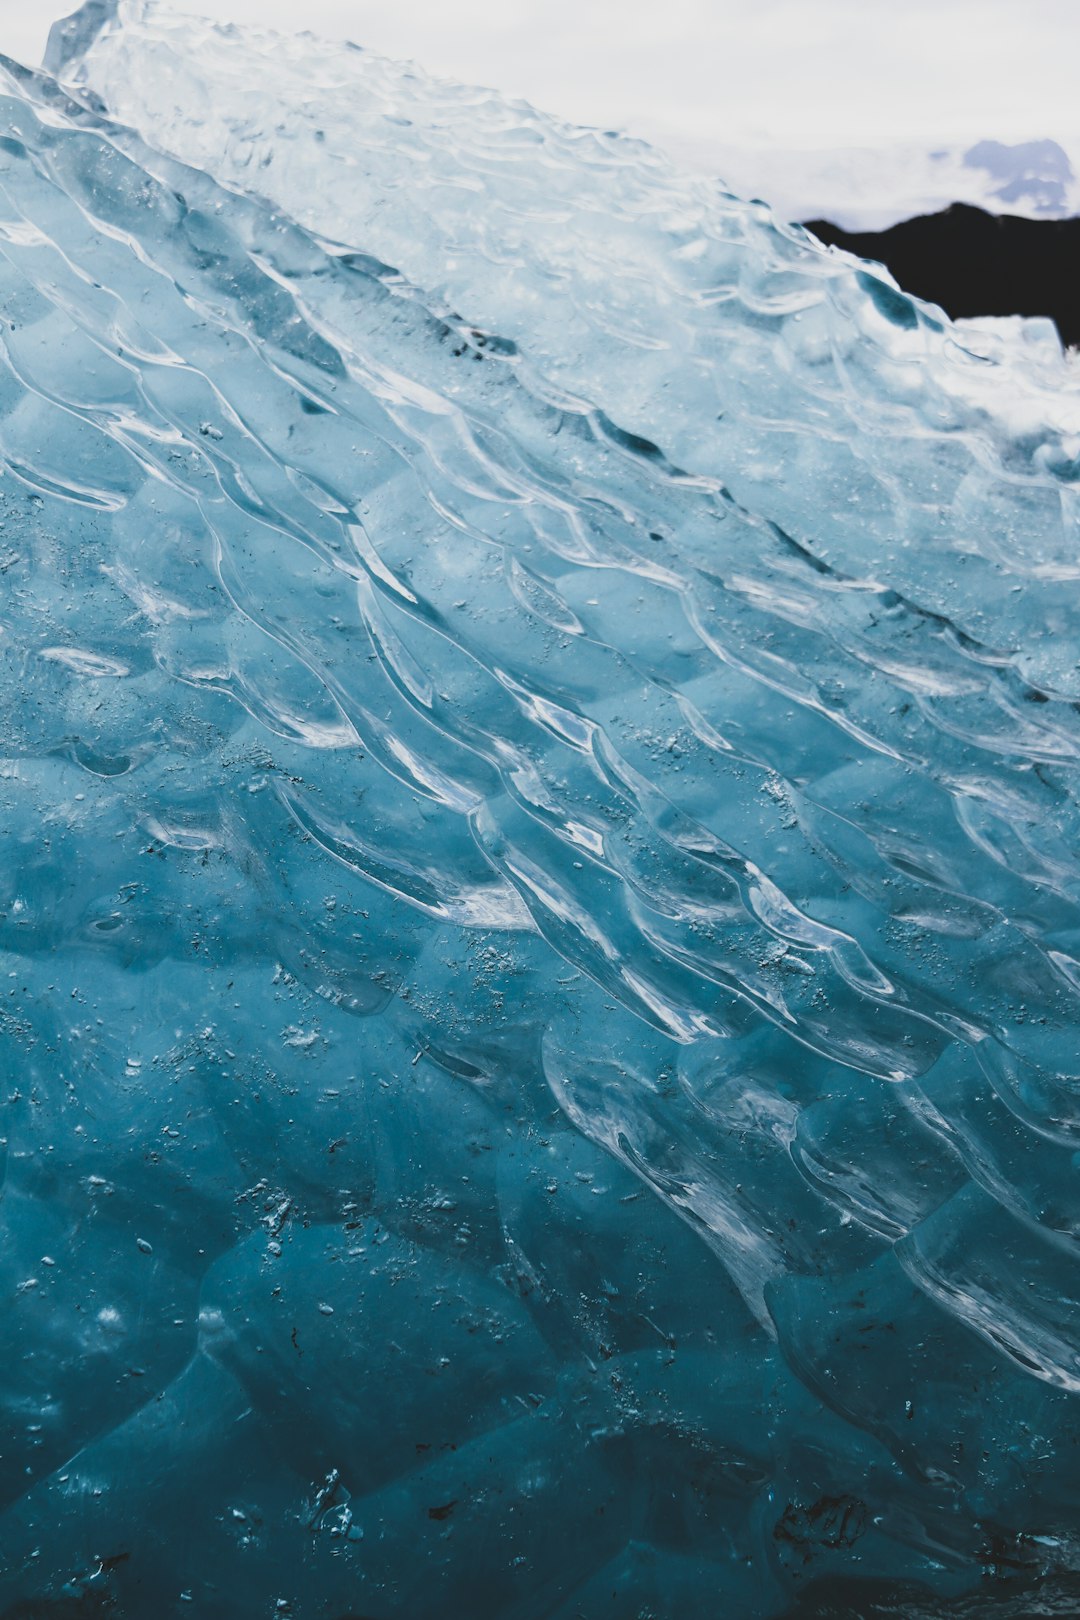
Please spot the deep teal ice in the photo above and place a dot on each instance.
(539, 941)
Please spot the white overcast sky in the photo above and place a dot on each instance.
(703, 73)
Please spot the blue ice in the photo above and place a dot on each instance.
(539, 932)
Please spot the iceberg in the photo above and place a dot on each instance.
(539, 925)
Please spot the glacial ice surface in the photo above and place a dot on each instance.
(539, 933)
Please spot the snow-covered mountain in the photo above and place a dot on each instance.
(871, 188)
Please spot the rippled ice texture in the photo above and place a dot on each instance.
(540, 947)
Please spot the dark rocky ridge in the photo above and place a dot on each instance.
(974, 263)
